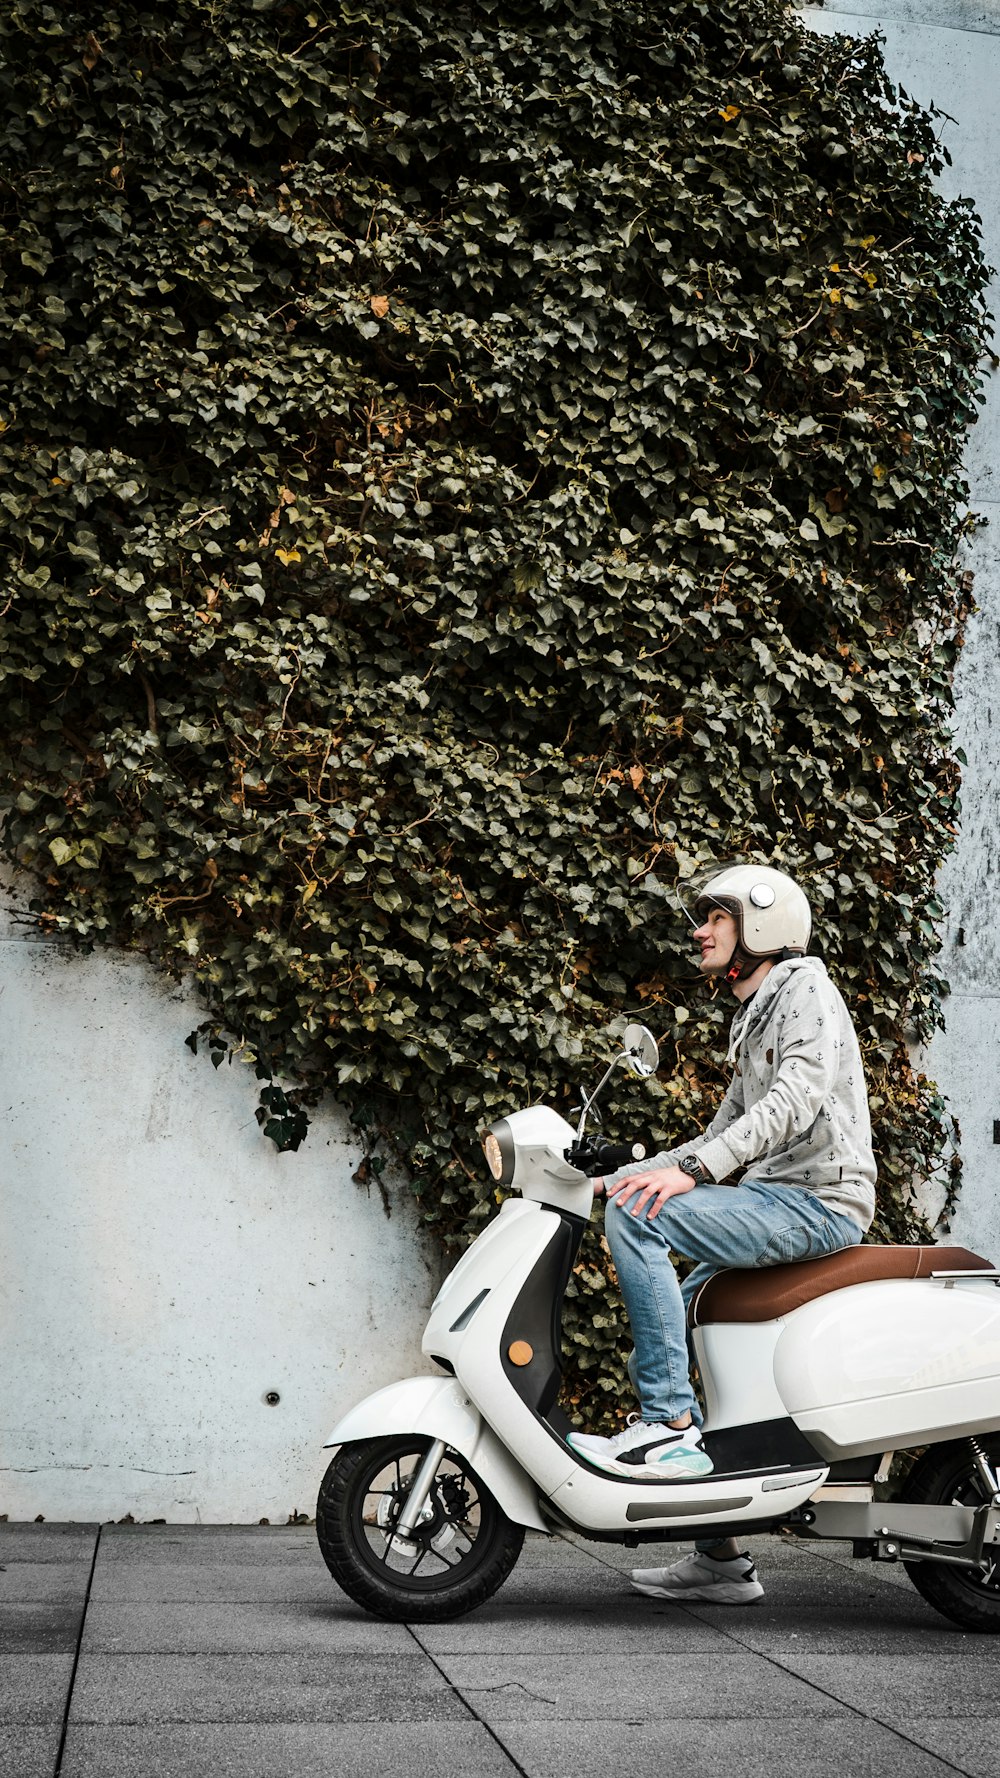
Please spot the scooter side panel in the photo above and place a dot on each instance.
(736, 1361)
(893, 1362)
(438, 1407)
(598, 1503)
(924, 1417)
(477, 1357)
(496, 1263)
(458, 1289)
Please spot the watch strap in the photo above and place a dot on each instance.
(690, 1163)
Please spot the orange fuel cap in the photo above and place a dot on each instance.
(519, 1352)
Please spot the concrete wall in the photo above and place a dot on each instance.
(948, 51)
(164, 1269)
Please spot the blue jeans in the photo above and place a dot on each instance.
(720, 1226)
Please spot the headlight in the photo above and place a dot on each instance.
(498, 1147)
(494, 1155)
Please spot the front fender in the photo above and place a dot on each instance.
(438, 1407)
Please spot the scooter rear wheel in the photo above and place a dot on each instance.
(946, 1475)
(461, 1550)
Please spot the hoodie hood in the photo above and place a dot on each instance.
(757, 1009)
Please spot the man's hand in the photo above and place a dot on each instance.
(652, 1189)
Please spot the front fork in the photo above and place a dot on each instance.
(420, 1487)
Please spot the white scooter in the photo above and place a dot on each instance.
(813, 1375)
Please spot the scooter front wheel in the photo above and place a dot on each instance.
(948, 1475)
(460, 1551)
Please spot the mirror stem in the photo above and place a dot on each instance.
(587, 1103)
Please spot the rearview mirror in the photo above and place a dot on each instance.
(642, 1055)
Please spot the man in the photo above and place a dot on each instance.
(785, 1171)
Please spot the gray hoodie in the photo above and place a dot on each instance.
(796, 1109)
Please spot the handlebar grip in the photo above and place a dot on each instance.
(597, 1158)
(613, 1155)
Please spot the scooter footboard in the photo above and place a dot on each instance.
(438, 1407)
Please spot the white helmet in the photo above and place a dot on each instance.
(771, 913)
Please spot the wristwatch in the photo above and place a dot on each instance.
(689, 1163)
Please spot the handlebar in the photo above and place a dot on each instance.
(595, 1158)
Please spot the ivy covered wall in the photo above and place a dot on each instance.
(466, 471)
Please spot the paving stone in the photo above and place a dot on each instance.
(29, 1753)
(213, 1545)
(213, 1750)
(705, 1748)
(721, 1680)
(143, 1583)
(906, 1625)
(901, 1688)
(33, 1689)
(557, 1612)
(38, 1629)
(584, 1585)
(887, 1574)
(24, 1582)
(772, 1554)
(971, 1746)
(827, 1609)
(613, 1556)
(822, 1585)
(539, 1551)
(582, 1633)
(47, 1543)
(259, 1628)
(257, 1689)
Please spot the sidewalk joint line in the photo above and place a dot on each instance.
(494, 1737)
(76, 1657)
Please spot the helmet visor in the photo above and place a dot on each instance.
(728, 903)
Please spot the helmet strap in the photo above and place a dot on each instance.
(740, 965)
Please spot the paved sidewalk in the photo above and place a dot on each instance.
(184, 1652)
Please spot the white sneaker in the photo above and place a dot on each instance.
(647, 1449)
(714, 1580)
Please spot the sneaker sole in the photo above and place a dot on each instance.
(723, 1594)
(663, 1471)
(657, 1472)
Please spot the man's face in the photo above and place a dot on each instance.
(717, 938)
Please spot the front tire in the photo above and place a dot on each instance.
(946, 1475)
(461, 1550)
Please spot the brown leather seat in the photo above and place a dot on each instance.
(765, 1293)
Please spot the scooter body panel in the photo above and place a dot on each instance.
(604, 1504)
(516, 1236)
(539, 1169)
(891, 1364)
(736, 1364)
(438, 1407)
(480, 1352)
